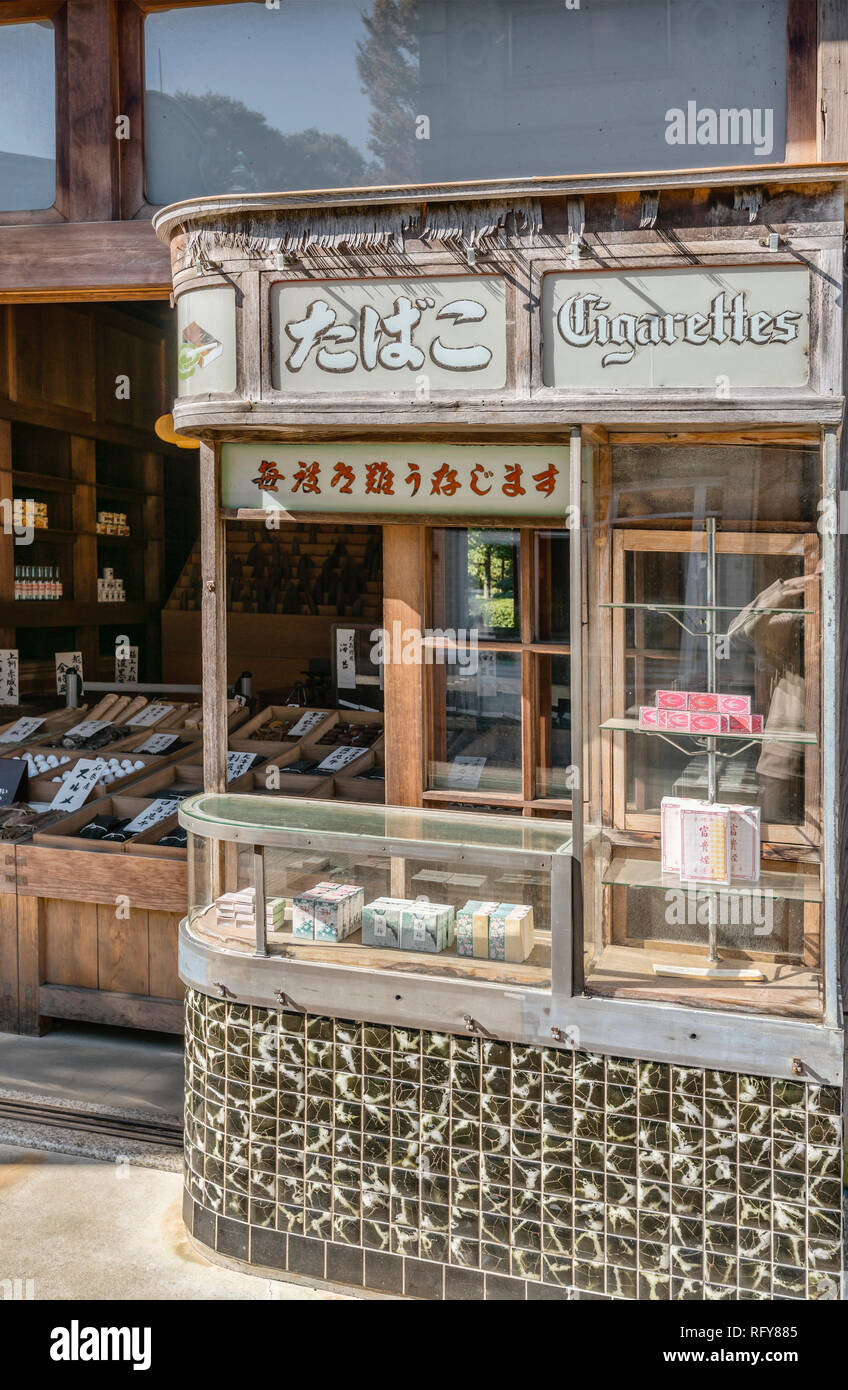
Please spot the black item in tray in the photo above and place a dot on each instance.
(373, 774)
(301, 765)
(100, 827)
(177, 839)
(119, 833)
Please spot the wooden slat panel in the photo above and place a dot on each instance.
(30, 963)
(99, 878)
(164, 980)
(120, 1010)
(8, 963)
(801, 82)
(122, 951)
(54, 357)
(70, 942)
(833, 79)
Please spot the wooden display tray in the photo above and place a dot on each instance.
(65, 834)
(350, 716)
(44, 788)
(273, 747)
(358, 788)
(292, 784)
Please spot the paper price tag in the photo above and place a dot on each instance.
(239, 763)
(340, 757)
(9, 672)
(159, 809)
(157, 743)
(65, 662)
(74, 792)
(465, 773)
(310, 720)
(151, 714)
(87, 728)
(21, 729)
(346, 658)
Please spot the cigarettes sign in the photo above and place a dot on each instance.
(746, 327)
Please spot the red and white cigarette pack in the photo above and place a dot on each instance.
(709, 723)
(746, 723)
(703, 703)
(672, 699)
(649, 717)
(674, 719)
(734, 704)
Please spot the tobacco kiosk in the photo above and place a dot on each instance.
(564, 1013)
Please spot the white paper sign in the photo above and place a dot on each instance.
(206, 324)
(126, 663)
(9, 676)
(382, 335)
(487, 674)
(151, 714)
(157, 743)
(158, 810)
(239, 763)
(87, 728)
(377, 478)
(686, 328)
(340, 757)
(74, 792)
(65, 662)
(346, 658)
(310, 720)
(21, 730)
(465, 773)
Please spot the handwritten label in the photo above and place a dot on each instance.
(340, 757)
(21, 729)
(74, 792)
(153, 714)
(238, 764)
(126, 664)
(87, 728)
(346, 658)
(465, 773)
(65, 662)
(310, 720)
(157, 743)
(9, 673)
(159, 809)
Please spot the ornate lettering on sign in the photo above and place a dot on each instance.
(500, 479)
(682, 328)
(385, 334)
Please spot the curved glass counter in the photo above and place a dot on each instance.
(460, 896)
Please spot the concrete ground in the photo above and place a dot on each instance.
(80, 1228)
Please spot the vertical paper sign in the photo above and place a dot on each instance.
(65, 662)
(346, 658)
(126, 663)
(9, 671)
(487, 675)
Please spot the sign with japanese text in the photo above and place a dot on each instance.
(65, 662)
(22, 729)
(413, 336)
(159, 809)
(75, 791)
(238, 764)
(722, 329)
(151, 714)
(126, 663)
(377, 478)
(9, 676)
(157, 743)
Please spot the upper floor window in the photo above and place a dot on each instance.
(349, 93)
(27, 116)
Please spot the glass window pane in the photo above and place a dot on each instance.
(476, 744)
(476, 583)
(27, 116)
(553, 586)
(552, 777)
(243, 98)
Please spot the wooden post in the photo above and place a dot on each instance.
(404, 600)
(213, 622)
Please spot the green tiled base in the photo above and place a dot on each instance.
(444, 1166)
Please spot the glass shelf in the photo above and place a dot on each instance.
(632, 726)
(625, 872)
(706, 608)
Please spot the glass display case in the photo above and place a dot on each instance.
(704, 844)
(461, 896)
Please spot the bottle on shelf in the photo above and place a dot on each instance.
(37, 583)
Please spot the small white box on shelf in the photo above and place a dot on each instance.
(705, 844)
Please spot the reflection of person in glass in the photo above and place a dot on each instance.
(778, 642)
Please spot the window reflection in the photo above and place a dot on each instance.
(27, 116)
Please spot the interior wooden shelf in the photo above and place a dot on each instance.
(42, 482)
(627, 972)
(67, 613)
(626, 871)
(632, 726)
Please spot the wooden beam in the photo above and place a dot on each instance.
(833, 79)
(213, 618)
(105, 1006)
(404, 601)
(95, 259)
